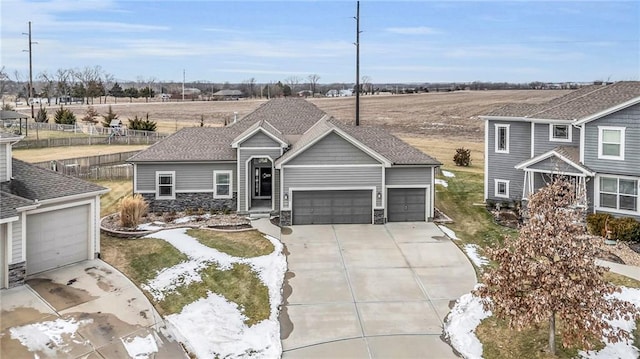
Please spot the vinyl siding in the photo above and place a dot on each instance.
(16, 241)
(259, 139)
(332, 150)
(3, 162)
(333, 177)
(408, 176)
(501, 165)
(243, 156)
(628, 118)
(542, 143)
(189, 176)
(276, 190)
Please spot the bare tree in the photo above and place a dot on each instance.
(367, 86)
(63, 79)
(88, 77)
(4, 83)
(293, 82)
(313, 82)
(550, 270)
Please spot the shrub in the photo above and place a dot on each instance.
(462, 157)
(42, 116)
(7, 107)
(110, 115)
(142, 125)
(91, 115)
(132, 209)
(596, 223)
(64, 116)
(625, 229)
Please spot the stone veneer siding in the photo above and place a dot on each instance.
(17, 274)
(378, 216)
(285, 218)
(193, 201)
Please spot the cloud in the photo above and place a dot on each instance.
(416, 30)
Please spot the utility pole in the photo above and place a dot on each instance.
(33, 116)
(357, 63)
(183, 78)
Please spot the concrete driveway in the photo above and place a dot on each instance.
(366, 291)
(84, 310)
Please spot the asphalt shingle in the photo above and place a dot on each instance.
(9, 203)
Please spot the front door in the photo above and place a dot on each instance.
(262, 183)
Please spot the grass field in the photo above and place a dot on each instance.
(61, 153)
(118, 189)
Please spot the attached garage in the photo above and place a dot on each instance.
(57, 238)
(332, 207)
(406, 204)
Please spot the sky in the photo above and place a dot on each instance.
(269, 41)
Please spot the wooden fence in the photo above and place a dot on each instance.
(110, 166)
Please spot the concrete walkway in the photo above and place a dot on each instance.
(626, 270)
(107, 308)
(365, 291)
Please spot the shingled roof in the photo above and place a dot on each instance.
(292, 117)
(35, 183)
(576, 105)
(10, 203)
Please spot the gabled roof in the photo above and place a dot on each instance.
(36, 183)
(266, 128)
(567, 154)
(283, 118)
(586, 103)
(10, 203)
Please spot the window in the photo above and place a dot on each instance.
(501, 188)
(502, 138)
(619, 193)
(611, 143)
(165, 185)
(222, 184)
(560, 133)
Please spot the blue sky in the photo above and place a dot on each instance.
(416, 41)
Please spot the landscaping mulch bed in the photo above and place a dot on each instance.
(181, 219)
(627, 253)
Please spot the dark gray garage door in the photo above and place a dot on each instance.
(57, 238)
(331, 207)
(406, 204)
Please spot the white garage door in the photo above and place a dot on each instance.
(57, 238)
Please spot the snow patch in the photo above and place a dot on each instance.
(212, 326)
(461, 324)
(442, 182)
(476, 258)
(46, 337)
(625, 348)
(450, 233)
(448, 174)
(140, 347)
(151, 226)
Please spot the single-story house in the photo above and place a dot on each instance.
(291, 159)
(228, 94)
(47, 219)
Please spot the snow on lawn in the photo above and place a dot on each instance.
(213, 326)
(46, 337)
(623, 349)
(472, 252)
(140, 347)
(468, 312)
(448, 174)
(461, 324)
(450, 233)
(442, 182)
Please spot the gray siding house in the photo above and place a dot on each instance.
(290, 159)
(591, 135)
(47, 219)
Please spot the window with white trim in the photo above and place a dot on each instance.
(611, 143)
(619, 193)
(560, 133)
(166, 185)
(222, 184)
(502, 138)
(501, 188)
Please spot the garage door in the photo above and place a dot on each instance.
(57, 238)
(332, 207)
(406, 204)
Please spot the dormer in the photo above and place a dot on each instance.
(6, 141)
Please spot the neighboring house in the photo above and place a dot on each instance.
(47, 219)
(289, 158)
(228, 95)
(591, 135)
